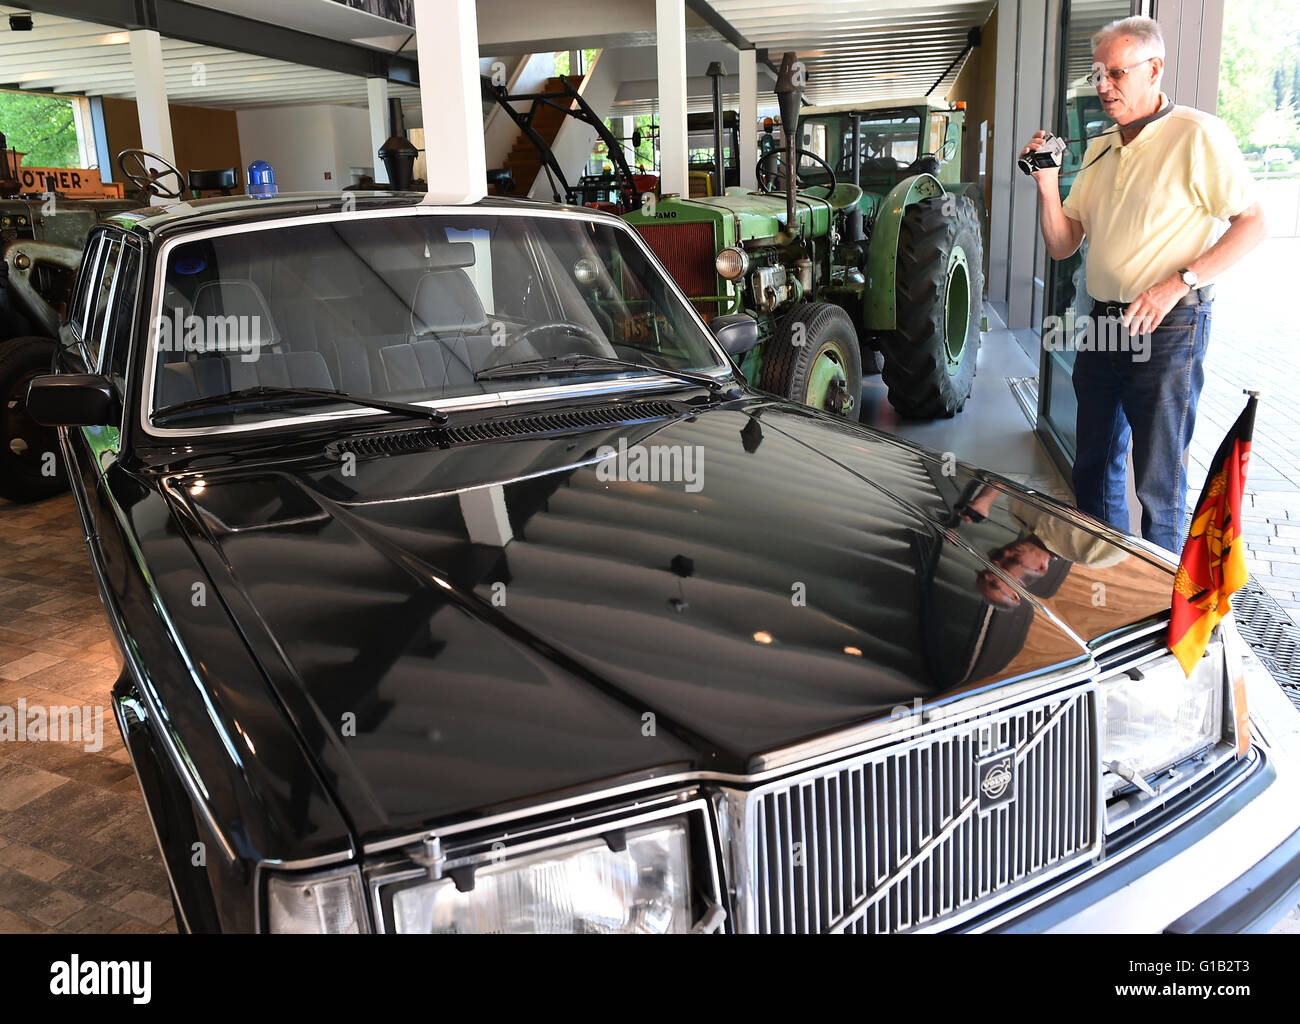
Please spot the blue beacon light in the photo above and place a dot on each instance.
(261, 180)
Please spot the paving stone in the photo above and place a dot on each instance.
(90, 886)
(93, 919)
(146, 907)
(32, 862)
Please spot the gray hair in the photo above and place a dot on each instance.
(1143, 31)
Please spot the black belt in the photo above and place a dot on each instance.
(1116, 310)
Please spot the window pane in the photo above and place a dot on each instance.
(122, 315)
(101, 292)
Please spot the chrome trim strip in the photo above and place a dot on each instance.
(524, 395)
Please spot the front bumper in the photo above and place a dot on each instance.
(1230, 867)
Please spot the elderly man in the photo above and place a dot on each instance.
(1153, 197)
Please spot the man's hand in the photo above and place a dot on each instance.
(1148, 310)
(1062, 234)
(1048, 175)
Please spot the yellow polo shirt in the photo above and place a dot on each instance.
(1150, 208)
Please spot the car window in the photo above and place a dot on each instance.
(99, 298)
(410, 308)
(79, 310)
(121, 315)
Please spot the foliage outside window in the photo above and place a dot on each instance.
(42, 127)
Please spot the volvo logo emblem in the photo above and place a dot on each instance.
(996, 777)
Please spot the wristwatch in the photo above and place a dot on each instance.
(1190, 278)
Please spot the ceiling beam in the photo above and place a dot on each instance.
(177, 20)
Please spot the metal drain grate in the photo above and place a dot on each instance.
(1274, 639)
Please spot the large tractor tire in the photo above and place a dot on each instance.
(814, 359)
(31, 465)
(930, 357)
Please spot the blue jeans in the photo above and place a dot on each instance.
(1153, 401)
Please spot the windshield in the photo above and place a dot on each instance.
(886, 139)
(408, 308)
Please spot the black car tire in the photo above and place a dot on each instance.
(788, 365)
(21, 476)
(922, 383)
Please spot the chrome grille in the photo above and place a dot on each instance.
(896, 840)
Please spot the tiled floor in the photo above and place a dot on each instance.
(76, 850)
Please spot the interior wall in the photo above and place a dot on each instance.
(203, 138)
(977, 86)
(311, 147)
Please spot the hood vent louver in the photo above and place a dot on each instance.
(396, 442)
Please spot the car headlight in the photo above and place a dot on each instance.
(582, 887)
(1159, 716)
(327, 903)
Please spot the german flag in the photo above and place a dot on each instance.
(1213, 566)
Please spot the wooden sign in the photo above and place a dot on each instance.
(69, 182)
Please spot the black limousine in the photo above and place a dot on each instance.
(464, 585)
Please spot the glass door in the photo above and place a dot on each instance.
(1078, 118)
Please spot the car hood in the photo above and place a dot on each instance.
(458, 627)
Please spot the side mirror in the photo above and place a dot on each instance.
(736, 332)
(72, 400)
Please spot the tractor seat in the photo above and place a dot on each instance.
(221, 179)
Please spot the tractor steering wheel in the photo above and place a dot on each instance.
(147, 181)
(766, 184)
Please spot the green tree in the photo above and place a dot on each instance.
(40, 126)
(562, 60)
(1260, 62)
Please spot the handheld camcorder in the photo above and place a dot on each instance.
(1051, 155)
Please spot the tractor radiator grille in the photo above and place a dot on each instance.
(687, 251)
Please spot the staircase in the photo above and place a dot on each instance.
(523, 160)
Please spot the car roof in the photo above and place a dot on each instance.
(183, 216)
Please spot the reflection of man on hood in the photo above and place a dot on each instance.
(1040, 558)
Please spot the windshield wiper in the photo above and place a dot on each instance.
(270, 397)
(577, 364)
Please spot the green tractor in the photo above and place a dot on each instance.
(861, 247)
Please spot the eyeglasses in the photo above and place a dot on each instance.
(1116, 75)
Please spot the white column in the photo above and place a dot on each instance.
(670, 57)
(151, 99)
(748, 117)
(446, 39)
(377, 99)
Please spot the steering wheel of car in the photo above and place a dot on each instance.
(131, 163)
(766, 182)
(567, 326)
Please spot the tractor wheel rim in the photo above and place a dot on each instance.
(21, 436)
(956, 311)
(828, 383)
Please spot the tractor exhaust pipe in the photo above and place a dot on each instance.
(788, 97)
(717, 73)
